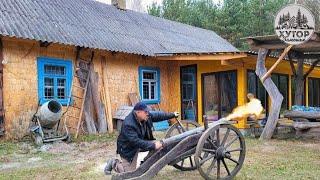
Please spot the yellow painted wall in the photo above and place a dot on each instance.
(242, 66)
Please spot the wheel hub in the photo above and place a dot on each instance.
(220, 153)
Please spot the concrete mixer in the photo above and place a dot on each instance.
(46, 124)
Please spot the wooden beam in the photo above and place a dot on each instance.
(232, 63)
(107, 98)
(307, 47)
(285, 52)
(308, 56)
(313, 45)
(2, 116)
(44, 43)
(202, 57)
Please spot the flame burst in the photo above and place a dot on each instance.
(252, 108)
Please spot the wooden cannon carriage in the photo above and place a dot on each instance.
(217, 150)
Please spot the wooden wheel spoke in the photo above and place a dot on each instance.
(218, 169)
(218, 138)
(212, 155)
(207, 158)
(225, 137)
(179, 129)
(233, 160)
(233, 150)
(214, 145)
(225, 165)
(191, 163)
(232, 141)
(182, 162)
(211, 166)
(209, 150)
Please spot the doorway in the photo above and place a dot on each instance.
(188, 85)
(219, 94)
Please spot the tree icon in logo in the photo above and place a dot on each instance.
(294, 24)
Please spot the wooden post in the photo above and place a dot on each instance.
(107, 100)
(1, 89)
(274, 93)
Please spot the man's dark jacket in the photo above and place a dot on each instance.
(135, 136)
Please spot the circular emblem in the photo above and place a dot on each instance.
(294, 24)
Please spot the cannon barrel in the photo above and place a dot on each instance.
(50, 113)
(180, 137)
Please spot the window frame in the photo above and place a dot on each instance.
(257, 92)
(312, 79)
(192, 83)
(41, 63)
(157, 94)
(278, 79)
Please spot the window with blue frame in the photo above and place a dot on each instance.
(54, 79)
(149, 84)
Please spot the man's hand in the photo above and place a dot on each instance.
(158, 145)
(176, 114)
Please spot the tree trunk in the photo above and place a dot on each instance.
(274, 93)
(299, 83)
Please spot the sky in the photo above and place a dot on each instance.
(144, 4)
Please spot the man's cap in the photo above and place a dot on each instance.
(140, 106)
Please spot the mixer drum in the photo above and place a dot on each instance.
(50, 113)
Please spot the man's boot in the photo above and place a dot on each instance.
(109, 166)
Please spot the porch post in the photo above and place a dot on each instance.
(242, 91)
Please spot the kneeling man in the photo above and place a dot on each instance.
(136, 136)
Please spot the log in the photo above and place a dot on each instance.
(274, 93)
(306, 125)
(302, 114)
(101, 117)
(307, 130)
(107, 99)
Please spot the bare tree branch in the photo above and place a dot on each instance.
(293, 69)
(311, 68)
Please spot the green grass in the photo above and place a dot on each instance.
(275, 159)
(96, 138)
(7, 148)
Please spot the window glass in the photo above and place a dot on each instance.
(314, 92)
(149, 84)
(54, 79)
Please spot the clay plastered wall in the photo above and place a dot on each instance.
(123, 77)
(21, 84)
(20, 81)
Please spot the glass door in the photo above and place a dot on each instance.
(188, 76)
(219, 94)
